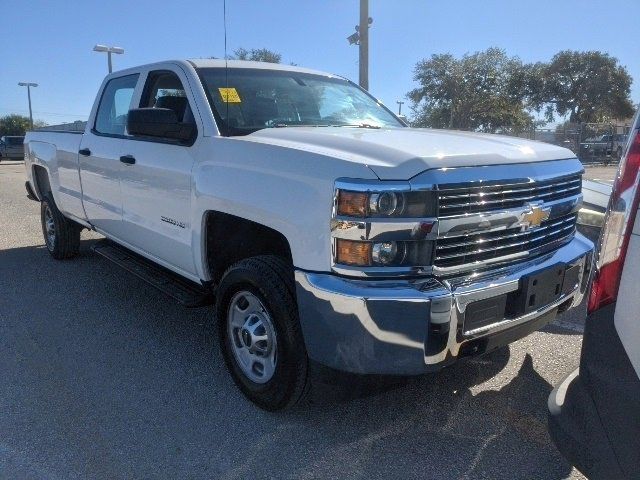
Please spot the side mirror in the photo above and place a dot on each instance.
(158, 123)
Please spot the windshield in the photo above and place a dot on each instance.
(252, 99)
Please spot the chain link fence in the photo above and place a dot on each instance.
(592, 142)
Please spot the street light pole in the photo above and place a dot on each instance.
(399, 107)
(29, 85)
(108, 50)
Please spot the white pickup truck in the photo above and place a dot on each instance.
(329, 233)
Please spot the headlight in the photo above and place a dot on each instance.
(388, 253)
(385, 204)
(382, 254)
(382, 228)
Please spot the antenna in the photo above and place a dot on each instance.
(226, 63)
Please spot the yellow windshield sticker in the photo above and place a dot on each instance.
(229, 95)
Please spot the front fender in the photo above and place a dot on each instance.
(287, 190)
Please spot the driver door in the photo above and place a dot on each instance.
(156, 180)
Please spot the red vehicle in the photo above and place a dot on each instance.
(594, 413)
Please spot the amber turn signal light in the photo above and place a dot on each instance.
(352, 204)
(349, 252)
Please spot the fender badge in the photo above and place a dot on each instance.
(171, 221)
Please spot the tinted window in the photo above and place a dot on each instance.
(161, 84)
(165, 90)
(14, 140)
(114, 105)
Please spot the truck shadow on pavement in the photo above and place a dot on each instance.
(105, 377)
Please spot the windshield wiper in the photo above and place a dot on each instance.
(358, 125)
(287, 125)
(353, 125)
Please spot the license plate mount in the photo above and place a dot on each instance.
(540, 289)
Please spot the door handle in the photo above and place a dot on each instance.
(128, 159)
(84, 151)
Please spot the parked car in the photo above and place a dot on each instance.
(594, 205)
(594, 413)
(330, 233)
(604, 146)
(11, 147)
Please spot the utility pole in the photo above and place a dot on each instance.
(364, 44)
(29, 85)
(361, 38)
(108, 51)
(399, 107)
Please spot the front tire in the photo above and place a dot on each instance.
(61, 235)
(259, 332)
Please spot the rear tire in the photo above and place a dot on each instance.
(259, 332)
(61, 235)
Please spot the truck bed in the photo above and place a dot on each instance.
(57, 152)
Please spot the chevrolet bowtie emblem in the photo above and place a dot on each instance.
(535, 217)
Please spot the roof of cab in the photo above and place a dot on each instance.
(221, 63)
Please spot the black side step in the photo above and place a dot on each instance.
(187, 293)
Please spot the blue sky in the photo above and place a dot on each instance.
(50, 42)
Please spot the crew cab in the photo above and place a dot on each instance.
(329, 233)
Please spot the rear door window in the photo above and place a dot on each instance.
(111, 118)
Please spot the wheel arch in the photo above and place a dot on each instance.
(229, 239)
(42, 185)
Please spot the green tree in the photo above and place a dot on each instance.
(484, 91)
(588, 86)
(257, 55)
(17, 124)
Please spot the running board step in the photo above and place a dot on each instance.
(187, 293)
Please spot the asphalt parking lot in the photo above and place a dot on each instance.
(105, 377)
(601, 173)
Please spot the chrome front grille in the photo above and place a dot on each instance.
(501, 222)
(460, 199)
(509, 244)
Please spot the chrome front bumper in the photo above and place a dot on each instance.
(407, 327)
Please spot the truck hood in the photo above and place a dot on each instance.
(402, 153)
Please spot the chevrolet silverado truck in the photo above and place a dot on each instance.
(327, 232)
